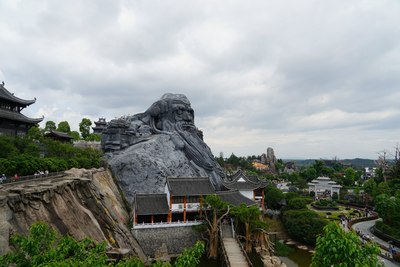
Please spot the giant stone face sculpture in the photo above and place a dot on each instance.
(145, 148)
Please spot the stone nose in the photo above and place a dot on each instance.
(187, 116)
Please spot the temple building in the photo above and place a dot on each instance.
(323, 186)
(59, 136)
(12, 121)
(101, 124)
(181, 203)
(249, 186)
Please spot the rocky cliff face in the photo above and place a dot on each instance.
(163, 141)
(83, 203)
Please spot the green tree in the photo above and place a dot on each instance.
(319, 167)
(303, 225)
(382, 188)
(7, 147)
(50, 125)
(84, 127)
(309, 173)
(273, 196)
(190, 257)
(75, 135)
(215, 211)
(388, 208)
(349, 176)
(93, 137)
(335, 247)
(370, 187)
(250, 217)
(63, 126)
(35, 133)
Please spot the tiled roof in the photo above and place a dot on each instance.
(6, 95)
(249, 183)
(195, 186)
(233, 197)
(16, 116)
(151, 204)
(59, 134)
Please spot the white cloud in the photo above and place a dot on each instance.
(310, 79)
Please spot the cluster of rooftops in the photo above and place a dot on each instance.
(183, 197)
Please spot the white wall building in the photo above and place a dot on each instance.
(323, 185)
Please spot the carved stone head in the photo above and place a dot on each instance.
(172, 111)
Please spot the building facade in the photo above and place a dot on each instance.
(249, 186)
(181, 202)
(12, 121)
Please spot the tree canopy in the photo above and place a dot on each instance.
(84, 127)
(335, 247)
(63, 126)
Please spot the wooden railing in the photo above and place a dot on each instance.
(226, 258)
(244, 252)
(224, 253)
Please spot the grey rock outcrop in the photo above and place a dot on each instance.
(82, 203)
(269, 159)
(145, 148)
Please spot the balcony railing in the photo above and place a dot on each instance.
(166, 224)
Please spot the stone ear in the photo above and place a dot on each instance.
(154, 110)
(158, 108)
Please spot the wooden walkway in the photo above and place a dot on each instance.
(234, 254)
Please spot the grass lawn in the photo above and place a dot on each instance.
(335, 214)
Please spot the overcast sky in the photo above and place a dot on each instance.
(311, 79)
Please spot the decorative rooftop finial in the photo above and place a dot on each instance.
(2, 83)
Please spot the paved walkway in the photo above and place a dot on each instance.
(234, 253)
(365, 229)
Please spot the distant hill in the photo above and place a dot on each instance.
(356, 163)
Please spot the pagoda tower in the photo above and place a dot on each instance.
(12, 121)
(101, 124)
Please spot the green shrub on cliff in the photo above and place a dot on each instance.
(45, 247)
(25, 156)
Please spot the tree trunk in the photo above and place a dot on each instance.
(248, 238)
(213, 246)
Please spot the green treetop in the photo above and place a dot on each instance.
(337, 248)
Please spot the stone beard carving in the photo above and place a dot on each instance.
(171, 116)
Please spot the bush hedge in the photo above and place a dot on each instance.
(303, 225)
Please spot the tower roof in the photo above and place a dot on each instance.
(15, 116)
(6, 95)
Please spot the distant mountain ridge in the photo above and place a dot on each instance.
(355, 163)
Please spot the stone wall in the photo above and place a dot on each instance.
(167, 240)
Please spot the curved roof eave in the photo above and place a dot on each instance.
(10, 115)
(5, 94)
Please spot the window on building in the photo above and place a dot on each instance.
(177, 199)
(193, 199)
